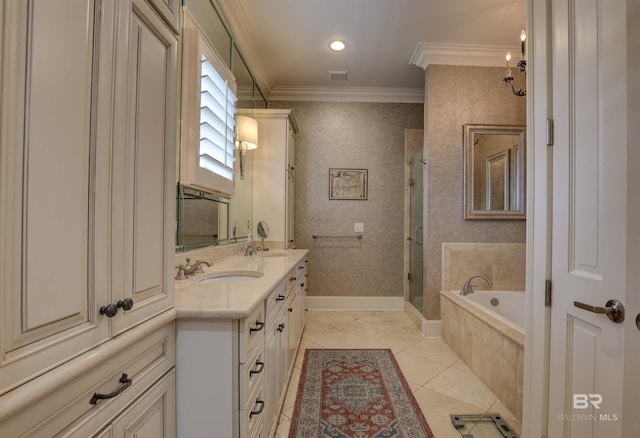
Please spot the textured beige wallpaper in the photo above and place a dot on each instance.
(352, 135)
(457, 95)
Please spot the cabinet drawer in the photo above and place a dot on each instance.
(252, 418)
(292, 279)
(276, 299)
(251, 333)
(143, 363)
(251, 373)
(152, 414)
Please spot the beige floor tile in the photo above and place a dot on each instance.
(434, 349)
(360, 327)
(400, 338)
(459, 364)
(436, 408)
(417, 369)
(368, 343)
(333, 338)
(331, 317)
(315, 326)
(463, 386)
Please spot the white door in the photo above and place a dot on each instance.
(589, 217)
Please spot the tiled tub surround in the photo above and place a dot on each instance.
(492, 347)
(503, 263)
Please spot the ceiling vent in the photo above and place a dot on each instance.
(338, 75)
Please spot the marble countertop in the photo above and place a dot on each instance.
(235, 300)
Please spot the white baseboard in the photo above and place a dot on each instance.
(355, 303)
(431, 328)
(428, 328)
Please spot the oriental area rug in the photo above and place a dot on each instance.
(355, 394)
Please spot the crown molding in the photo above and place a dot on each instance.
(238, 24)
(346, 94)
(461, 54)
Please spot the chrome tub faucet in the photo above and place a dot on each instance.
(468, 287)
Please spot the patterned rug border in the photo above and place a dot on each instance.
(298, 404)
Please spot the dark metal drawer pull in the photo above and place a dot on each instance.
(258, 370)
(280, 297)
(293, 279)
(260, 409)
(126, 382)
(280, 327)
(259, 326)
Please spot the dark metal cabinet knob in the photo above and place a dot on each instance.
(109, 310)
(126, 304)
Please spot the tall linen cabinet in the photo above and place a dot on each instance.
(88, 130)
(274, 174)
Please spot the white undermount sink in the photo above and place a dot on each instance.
(273, 253)
(229, 276)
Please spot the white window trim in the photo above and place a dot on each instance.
(194, 45)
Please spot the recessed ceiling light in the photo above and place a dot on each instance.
(337, 45)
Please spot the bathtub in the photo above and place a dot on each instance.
(485, 328)
(507, 306)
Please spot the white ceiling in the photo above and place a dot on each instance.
(285, 42)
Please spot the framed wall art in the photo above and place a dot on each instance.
(348, 184)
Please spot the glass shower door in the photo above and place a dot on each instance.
(416, 240)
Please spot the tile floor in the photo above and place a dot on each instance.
(440, 381)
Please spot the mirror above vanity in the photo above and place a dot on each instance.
(210, 216)
(494, 172)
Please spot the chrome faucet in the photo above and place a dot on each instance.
(189, 269)
(468, 287)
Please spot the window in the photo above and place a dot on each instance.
(208, 116)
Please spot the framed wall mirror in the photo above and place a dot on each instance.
(494, 172)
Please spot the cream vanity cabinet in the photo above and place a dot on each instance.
(87, 177)
(276, 346)
(285, 316)
(274, 173)
(232, 375)
(140, 381)
(220, 368)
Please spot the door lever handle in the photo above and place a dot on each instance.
(613, 309)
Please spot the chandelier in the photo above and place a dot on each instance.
(522, 66)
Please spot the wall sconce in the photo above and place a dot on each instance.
(522, 66)
(246, 138)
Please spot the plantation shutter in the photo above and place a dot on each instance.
(217, 121)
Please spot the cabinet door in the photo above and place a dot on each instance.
(291, 149)
(54, 182)
(290, 211)
(170, 11)
(144, 186)
(292, 335)
(270, 378)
